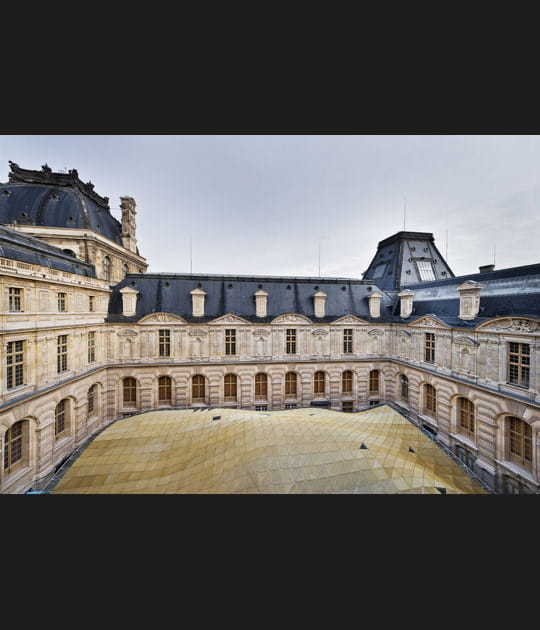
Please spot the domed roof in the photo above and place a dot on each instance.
(295, 451)
(45, 198)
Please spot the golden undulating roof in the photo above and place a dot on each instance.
(298, 451)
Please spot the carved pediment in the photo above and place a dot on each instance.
(511, 324)
(349, 319)
(127, 333)
(229, 318)
(291, 318)
(429, 322)
(162, 318)
(197, 332)
(466, 341)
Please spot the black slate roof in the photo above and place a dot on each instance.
(24, 248)
(44, 198)
(170, 293)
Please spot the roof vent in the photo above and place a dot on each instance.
(343, 288)
(229, 286)
(363, 446)
(411, 450)
(441, 490)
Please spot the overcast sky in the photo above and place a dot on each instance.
(262, 204)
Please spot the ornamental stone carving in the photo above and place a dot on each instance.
(160, 318)
(466, 341)
(291, 319)
(127, 333)
(349, 319)
(430, 323)
(197, 332)
(517, 325)
(319, 331)
(229, 319)
(261, 332)
(376, 332)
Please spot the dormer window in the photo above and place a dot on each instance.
(378, 272)
(425, 270)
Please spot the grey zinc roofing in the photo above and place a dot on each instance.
(24, 248)
(55, 206)
(398, 254)
(505, 292)
(235, 294)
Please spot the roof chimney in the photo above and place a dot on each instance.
(485, 268)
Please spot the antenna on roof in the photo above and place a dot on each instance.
(404, 212)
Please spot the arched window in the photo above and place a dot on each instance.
(430, 399)
(230, 387)
(60, 417)
(107, 268)
(13, 446)
(519, 442)
(319, 383)
(290, 384)
(130, 392)
(164, 390)
(198, 389)
(374, 382)
(346, 382)
(465, 416)
(261, 386)
(91, 396)
(404, 387)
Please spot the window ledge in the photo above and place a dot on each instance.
(466, 441)
(517, 470)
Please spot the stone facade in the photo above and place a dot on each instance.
(65, 362)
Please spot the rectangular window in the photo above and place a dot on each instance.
(61, 302)
(164, 343)
(430, 347)
(347, 406)
(61, 353)
(290, 405)
(347, 340)
(91, 303)
(15, 300)
(425, 269)
(261, 407)
(15, 364)
(91, 347)
(519, 361)
(230, 341)
(291, 341)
